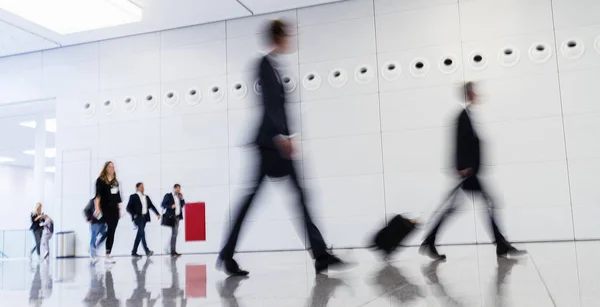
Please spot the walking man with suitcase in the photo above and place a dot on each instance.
(468, 162)
(275, 158)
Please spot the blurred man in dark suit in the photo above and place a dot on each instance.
(468, 162)
(275, 155)
(139, 207)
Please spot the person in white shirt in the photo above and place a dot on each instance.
(173, 204)
(139, 205)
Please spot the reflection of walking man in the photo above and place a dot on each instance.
(468, 162)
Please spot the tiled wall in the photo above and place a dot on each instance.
(374, 141)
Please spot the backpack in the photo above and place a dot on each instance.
(88, 211)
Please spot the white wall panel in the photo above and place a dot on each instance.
(72, 54)
(70, 111)
(430, 75)
(329, 41)
(197, 131)
(551, 223)
(582, 133)
(492, 50)
(417, 150)
(348, 231)
(258, 236)
(200, 168)
(129, 45)
(193, 61)
(74, 78)
(244, 54)
(390, 6)
(257, 24)
(529, 141)
(182, 90)
(193, 35)
(324, 70)
(584, 188)
(586, 224)
(129, 104)
(426, 108)
(334, 12)
(340, 117)
(519, 98)
(129, 139)
(344, 156)
(129, 70)
(131, 170)
(579, 90)
(486, 18)
(575, 13)
(421, 28)
(276, 200)
(21, 77)
(584, 54)
(78, 138)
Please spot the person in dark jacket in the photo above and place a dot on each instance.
(37, 222)
(468, 162)
(139, 207)
(173, 204)
(275, 155)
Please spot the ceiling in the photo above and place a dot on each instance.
(18, 35)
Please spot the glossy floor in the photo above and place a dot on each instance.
(553, 274)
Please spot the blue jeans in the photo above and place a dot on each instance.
(96, 229)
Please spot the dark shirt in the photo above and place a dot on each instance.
(35, 225)
(110, 198)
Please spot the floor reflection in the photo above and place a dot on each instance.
(227, 290)
(174, 295)
(323, 290)
(395, 285)
(504, 269)
(41, 284)
(140, 294)
(437, 288)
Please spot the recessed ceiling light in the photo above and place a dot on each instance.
(50, 123)
(50, 152)
(71, 16)
(50, 169)
(6, 160)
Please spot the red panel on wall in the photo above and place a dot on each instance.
(195, 280)
(195, 222)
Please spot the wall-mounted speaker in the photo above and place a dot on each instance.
(311, 81)
(478, 60)
(215, 93)
(88, 109)
(239, 90)
(540, 53)
(572, 49)
(193, 96)
(108, 107)
(171, 99)
(509, 56)
(419, 67)
(364, 74)
(150, 101)
(391, 71)
(337, 78)
(448, 64)
(258, 87)
(129, 104)
(289, 84)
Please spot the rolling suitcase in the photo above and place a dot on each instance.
(399, 228)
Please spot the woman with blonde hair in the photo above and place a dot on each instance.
(107, 204)
(37, 220)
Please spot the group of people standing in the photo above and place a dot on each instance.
(104, 211)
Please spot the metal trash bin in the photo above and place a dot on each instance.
(65, 241)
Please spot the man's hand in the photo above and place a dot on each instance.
(465, 172)
(284, 145)
(180, 196)
(135, 217)
(158, 216)
(173, 206)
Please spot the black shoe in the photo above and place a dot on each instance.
(329, 262)
(149, 253)
(506, 250)
(135, 255)
(175, 254)
(430, 251)
(230, 267)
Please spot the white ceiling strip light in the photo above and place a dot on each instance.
(71, 16)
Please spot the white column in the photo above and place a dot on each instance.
(40, 158)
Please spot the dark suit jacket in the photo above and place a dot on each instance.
(274, 120)
(468, 150)
(169, 201)
(134, 206)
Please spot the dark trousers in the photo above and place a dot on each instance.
(471, 184)
(37, 234)
(111, 228)
(273, 165)
(140, 222)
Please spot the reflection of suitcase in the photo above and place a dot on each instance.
(397, 229)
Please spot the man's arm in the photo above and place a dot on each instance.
(151, 206)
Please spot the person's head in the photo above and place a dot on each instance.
(139, 187)
(470, 93)
(278, 36)
(37, 208)
(108, 173)
(177, 188)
